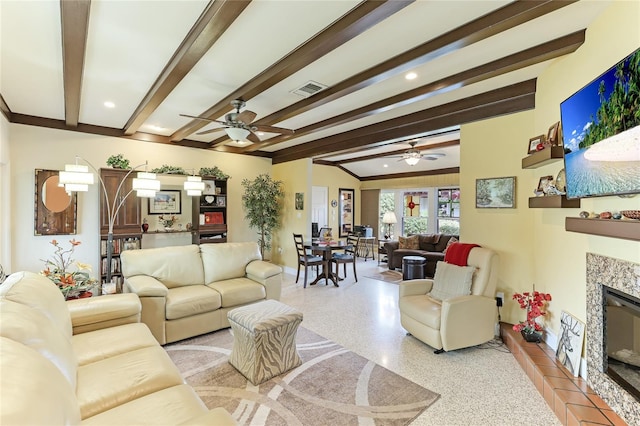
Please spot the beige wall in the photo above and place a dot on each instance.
(5, 196)
(37, 147)
(334, 179)
(533, 245)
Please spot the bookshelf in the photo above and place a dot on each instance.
(120, 243)
(210, 213)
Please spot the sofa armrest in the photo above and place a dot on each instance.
(415, 287)
(100, 312)
(217, 416)
(145, 286)
(467, 321)
(267, 274)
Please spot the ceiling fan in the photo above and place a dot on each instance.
(413, 155)
(238, 124)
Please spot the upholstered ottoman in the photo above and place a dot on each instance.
(264, 339)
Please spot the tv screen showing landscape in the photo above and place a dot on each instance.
(601, 133)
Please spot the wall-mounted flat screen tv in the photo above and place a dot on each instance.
(601, 133)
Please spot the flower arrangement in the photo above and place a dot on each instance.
(57, 269)
(534, 304)
(167, 221)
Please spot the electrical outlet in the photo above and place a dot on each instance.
(500, 298)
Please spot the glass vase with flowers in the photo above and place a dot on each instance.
(72, 283)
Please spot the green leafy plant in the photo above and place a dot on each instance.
(262, 203)
(57, 269)
(214, 172)
(118, 162)
(174, 170)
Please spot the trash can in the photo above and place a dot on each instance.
(413, 267)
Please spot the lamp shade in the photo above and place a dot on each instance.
(194, 186)
(389, 217)
(237, 134)
(146, 184)
(75, 174)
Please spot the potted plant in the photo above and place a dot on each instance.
(262, 203)
(118, 162)
(167, 169)
(213, 172)
(72, 284)
(534, 304)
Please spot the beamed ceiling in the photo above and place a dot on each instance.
(155, 60)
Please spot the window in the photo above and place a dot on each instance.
(415, 218)
(387, 204)
(449, 211)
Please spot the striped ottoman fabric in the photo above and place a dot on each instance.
(264, 339)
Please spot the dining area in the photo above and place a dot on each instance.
(322, 254)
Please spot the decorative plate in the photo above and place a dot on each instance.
(561, 181)
(209, 199)
(334, 203)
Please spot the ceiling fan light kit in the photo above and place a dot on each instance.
(237, 134)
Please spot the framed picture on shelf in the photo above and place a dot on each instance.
(534, 142)
(553, 136)
(347, 206)
(543, 183)
(221, 201)
(497, 193)
(209, 187)
(570, 342)
(166, 202)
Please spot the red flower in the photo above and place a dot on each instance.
(534, 304)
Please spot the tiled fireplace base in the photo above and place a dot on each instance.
(571, 399)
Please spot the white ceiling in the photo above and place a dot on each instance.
(130, 43)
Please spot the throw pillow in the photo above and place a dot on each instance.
(451, 281)
(451, 241)
(410, 243)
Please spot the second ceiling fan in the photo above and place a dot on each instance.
(413, 155)
(238, 125)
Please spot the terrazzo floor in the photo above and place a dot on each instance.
(483, 385)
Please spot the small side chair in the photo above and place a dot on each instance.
(349, 256)
(305, 258)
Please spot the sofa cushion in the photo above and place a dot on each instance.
(191, 300)
(173, 266)
(226, 261)
(410, 243)
(451, 281)
(451, 241)
(238, 291)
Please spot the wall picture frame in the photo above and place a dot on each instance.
(570, 342)
(166, 202)
(496, 193)
(346, 199)
(553, 135)
(534, 142)
(299, 201)
(544, 182)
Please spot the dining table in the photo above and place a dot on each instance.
(326, 248)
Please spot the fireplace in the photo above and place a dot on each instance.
(613, 324)
(622, 339)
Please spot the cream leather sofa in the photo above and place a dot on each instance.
(86, 361)
(457, 322)
(188, 290)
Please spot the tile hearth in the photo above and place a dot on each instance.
(570, 398)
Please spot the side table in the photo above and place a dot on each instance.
(382, 252)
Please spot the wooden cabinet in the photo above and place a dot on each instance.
(128, 219)
(210, 213)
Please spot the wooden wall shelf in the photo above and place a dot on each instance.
(554, 201)
(624, 229)
(540, 158)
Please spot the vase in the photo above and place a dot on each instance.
(145, 227)
(532, 337)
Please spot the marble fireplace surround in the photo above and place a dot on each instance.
(623, 276)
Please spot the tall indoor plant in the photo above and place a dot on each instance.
(262, 203)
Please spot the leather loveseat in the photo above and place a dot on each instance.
(186, 291)
(86, 361)
(430, 246)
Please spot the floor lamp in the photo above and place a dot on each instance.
(389, 218)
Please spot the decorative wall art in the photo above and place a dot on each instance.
(497, 193)
(55, 210)
(347, 206)
(299, 200)
(166, 202)
(553, 135)
(536, 144)
(570, 342)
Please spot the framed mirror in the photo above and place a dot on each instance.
(55, 210)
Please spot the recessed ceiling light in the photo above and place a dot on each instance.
(385, 165)
(411, 76)
(109, 104)
(156, 128)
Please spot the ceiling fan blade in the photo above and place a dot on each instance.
(246, 117)
(272, 129)
(202, 118)
(206, 132)
(253, 138)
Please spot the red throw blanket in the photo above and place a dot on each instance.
(458, 253)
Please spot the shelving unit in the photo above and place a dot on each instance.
(554, 201)
(121, 243)
(543, 157)
(210, 213)
(624, 229)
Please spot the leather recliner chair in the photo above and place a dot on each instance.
(458, 322)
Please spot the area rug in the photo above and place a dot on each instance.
(387, 276)
(333, 386)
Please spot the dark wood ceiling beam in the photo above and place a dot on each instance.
(544, 52)
(361, 18)
(450, 170)
(506, 100)
(74, 16)
(399, 152)
(4, 108)
(212, 23)
(484, 27)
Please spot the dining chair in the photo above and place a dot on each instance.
(305, 258)
(349, 256)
